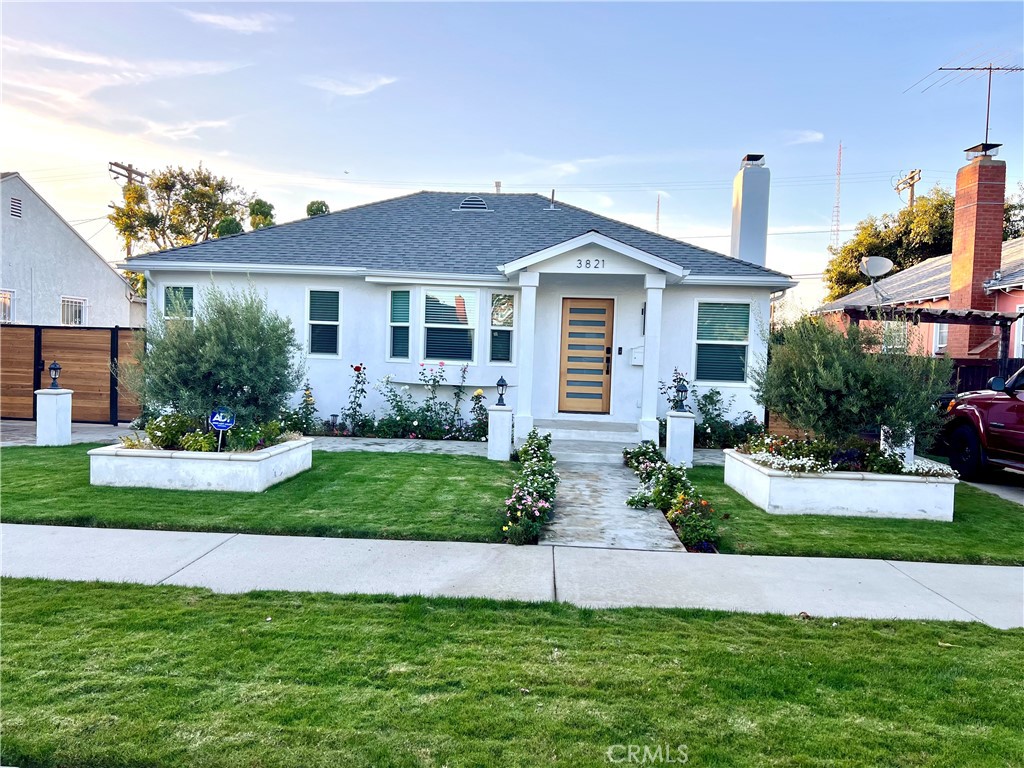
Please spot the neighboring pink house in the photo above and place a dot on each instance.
(983, 273)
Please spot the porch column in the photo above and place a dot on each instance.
(528, 282)
(655, 285)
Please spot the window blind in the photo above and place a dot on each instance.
(450, 308)
(400, 306)
(323, 306)
(179, 300)
(721, 362)
(723, 322)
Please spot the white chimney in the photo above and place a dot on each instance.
(750, 210)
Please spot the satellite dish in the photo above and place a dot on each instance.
(876, 266)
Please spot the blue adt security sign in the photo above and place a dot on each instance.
(222, 418)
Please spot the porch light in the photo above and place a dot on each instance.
(54, 374)
(334, 420)
(682, 392)
(502, 389)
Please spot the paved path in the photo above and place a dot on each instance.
(581, 576)
(591, 511)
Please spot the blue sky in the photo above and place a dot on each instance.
(610, 104)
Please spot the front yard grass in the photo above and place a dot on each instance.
(123, 675)
(350, 494)
(985, 529)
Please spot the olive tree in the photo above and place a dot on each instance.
(839, 382)
(232, 350)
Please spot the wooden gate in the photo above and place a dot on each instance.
(86, 357)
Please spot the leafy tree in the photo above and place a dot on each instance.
(234, 352)
(137, 281)
(317, 208)
(839, 383)
(261, 214)
(227, 226)
(176, 207)
(908, 237)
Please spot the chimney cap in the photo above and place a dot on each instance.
(752, 159)
(982, 149)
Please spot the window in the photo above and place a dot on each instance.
(503, 313)
(324, 315)
(941, 338)
(6, 306)
(1020, 333)
(16, 207)
(72, 311)
(398, 344)
(449, 318)
(723, 331)
(179, 301)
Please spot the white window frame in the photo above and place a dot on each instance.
(171, 287)
(10, 306)
(413, 303)
(424, 325)
(308, 323)
(514, 328)
(940, 349)
(84, 303)
(746, 358)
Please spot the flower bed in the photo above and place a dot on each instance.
(251, 471)
(667, 487)
(530, 504)
(783, 486)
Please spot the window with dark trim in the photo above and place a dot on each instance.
(503, 313)
(324, 322)
(398, 321)
(449, 320)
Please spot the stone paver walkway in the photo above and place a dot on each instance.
(24, 432)
(591, 511)
(585, 576)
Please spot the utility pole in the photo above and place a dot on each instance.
(908, 182)
(657, 215)
(131, 175)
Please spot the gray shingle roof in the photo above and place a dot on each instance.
(930, 280)
(425, 232)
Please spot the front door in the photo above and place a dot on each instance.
(585, 380)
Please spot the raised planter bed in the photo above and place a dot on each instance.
(846, 494)
(197, 471)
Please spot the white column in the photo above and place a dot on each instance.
(655, 285)
(499, 432)
(53, 416)
(679, 445)
(528, 282)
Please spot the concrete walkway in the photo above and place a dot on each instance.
(581, 576)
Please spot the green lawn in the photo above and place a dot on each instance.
(353, 494)
(985, 529)
(118, 675)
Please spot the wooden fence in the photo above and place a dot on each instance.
(86, 357)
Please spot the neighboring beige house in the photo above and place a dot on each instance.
(50, 275)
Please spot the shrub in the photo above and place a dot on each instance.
(668, 482)
(357, 423)
(199, 441)
(136, 441)
(646, 453)
(533, 494)
(254, 437)
(716, 429)
(536, 447)
(478, 416)
(234, 352)
(303, 419)
(693, 519)
(670, 391)
(167, 431)
(838, 384)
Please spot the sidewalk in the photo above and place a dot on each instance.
(600, 578)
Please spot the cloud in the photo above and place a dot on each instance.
(805, 137)
(184, 130)
(357, 85)
(243, 24)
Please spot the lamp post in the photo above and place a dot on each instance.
(682, 392)
(54, 375)
(502, 389)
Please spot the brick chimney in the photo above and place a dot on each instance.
(977, 250)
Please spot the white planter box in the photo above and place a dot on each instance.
(848, 494)
(198, 471)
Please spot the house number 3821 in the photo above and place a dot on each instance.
(589, 263)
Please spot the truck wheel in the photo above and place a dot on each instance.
(965, 455)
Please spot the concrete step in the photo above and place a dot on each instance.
(589, 451)
(589, 431)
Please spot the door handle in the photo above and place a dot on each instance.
(608, 365)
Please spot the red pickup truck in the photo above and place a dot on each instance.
(985, 429)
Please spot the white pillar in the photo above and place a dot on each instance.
(53, 416)
(499, 432)
(906, 450)
(679, 446)
(528, 282)
(655, 285)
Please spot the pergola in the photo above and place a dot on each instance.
(917, 315)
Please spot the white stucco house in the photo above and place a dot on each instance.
(50, 275)
(581, 314)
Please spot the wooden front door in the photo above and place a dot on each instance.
(585, 380)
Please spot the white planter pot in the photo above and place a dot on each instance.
(847, 494)
(198, 471)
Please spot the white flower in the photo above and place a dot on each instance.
(415, 423)
(483, 439)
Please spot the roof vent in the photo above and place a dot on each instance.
(473, 203)
(16, 207)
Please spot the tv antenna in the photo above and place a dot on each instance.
(835, 206)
